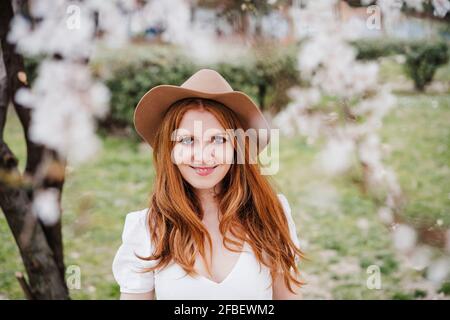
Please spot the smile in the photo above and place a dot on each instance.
(204, 171)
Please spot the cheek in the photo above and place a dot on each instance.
(184, 170)
(188, 174)
(181, 154)
(224, 154)
(223, 170)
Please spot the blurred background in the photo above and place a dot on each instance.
(362, 101)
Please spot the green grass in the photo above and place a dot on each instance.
(98, 195)
(423, 170)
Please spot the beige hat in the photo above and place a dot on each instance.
(205, 83)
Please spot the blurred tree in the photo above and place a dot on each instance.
(40, 245)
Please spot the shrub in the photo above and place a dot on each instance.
(422, 61)
(445, 288)
(374, 49)
(402, 296)
(423, 57)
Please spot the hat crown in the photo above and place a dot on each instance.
(207, 80)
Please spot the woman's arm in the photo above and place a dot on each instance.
(281, 291)
(138, 296)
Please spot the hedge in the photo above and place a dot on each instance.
(423, 57)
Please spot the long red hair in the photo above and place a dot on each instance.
(249, 207)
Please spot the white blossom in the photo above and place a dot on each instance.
(337, 155)
(385, 215)
(441, 7)
(46, 206)
(439, 270)
(405, 237)
(65, 102)
(54, 34)
(363, 224)
(420, 257)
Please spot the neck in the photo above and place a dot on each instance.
(208, 202)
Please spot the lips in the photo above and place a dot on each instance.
(204, 171)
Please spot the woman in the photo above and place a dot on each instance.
(214, 227)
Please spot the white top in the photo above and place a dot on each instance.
(248, 280)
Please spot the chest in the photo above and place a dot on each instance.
(247, 279)
(221, 260)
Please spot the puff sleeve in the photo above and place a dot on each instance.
(291, 222)
(126, 265)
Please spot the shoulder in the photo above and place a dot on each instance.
(135, 229)
(127, 265)
(284, 202)
(290, 219)
(136, 215)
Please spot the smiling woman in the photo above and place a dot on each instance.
(214, 228)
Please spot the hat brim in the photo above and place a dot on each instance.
(152, 107)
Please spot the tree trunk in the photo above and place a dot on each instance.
(40, 246)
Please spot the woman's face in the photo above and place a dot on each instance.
(203, 150)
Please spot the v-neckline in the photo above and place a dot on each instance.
(236, 264)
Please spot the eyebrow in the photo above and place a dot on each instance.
(212, 135)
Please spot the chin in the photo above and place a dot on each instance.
(202, 184)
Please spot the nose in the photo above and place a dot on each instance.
(203, 153)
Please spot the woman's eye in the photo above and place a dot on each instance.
(186, 140)
(219, 139)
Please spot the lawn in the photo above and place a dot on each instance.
(336, 223)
